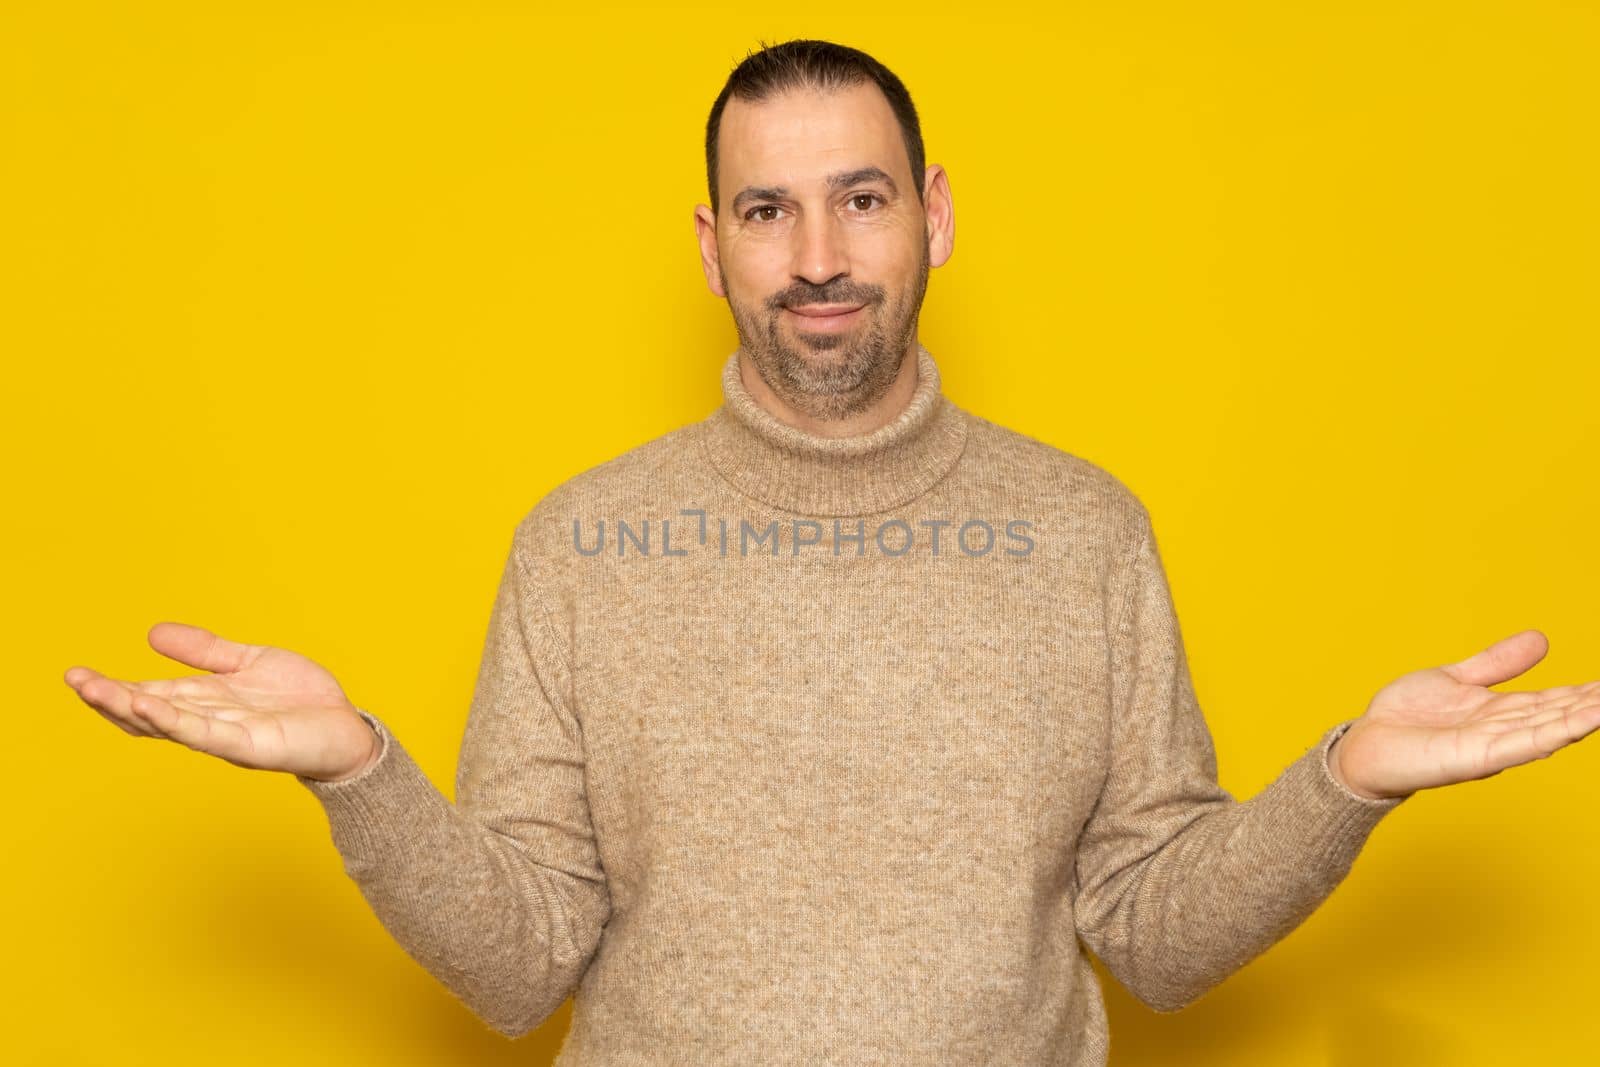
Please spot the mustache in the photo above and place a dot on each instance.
(844, 292)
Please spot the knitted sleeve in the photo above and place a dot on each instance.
(501, 895)
(1178, 884)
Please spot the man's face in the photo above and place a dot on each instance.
(818, 216)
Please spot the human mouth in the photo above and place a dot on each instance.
(827, 318)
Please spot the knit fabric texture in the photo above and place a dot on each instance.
(797, 750)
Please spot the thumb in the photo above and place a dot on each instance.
(198, 647)
(1501, 661)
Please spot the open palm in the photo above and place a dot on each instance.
(1443, 724)
(260, 707)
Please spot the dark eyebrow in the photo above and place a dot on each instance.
(839, 180)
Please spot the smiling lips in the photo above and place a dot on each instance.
(825, 310)
(827, 317)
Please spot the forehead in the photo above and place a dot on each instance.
(803, 134)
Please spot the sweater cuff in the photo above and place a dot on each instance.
(1346, 818)
(1325, 748)
(323, 787)
(392, 790)
(1316, 817)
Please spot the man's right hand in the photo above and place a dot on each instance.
(260, 707)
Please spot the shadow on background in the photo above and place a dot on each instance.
(1427, 929)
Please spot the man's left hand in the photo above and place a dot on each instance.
(1443, 725)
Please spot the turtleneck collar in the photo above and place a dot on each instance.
(798, 471)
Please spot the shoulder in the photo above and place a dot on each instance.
(642, 480)
(1054, 481)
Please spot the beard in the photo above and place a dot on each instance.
(831, 376)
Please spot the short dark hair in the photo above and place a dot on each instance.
(819, 65)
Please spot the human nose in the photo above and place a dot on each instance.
(819, 249)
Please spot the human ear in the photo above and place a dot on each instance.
(705, 225)
(941, 214)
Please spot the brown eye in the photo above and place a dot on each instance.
(757, 210)
(868, 197)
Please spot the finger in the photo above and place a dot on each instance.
(118, 723)
(186, 689)
(1506, 706)
(1511, 709)
(1546, 711)
(199, 647)
(1576, 721)
(1545, 735)
(1562, 692)
(1501, 661)
(193, 729)
(139, 707)
(153, 711)
(110, 697)
(169, 688)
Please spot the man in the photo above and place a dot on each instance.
(821, 730)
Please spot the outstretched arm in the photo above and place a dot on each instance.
(1178, 884)
(501, 895)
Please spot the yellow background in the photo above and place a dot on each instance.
(306, 305)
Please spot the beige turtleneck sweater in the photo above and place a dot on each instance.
(796, 750)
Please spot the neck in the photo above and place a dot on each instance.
(881, 412)
(901, 457)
